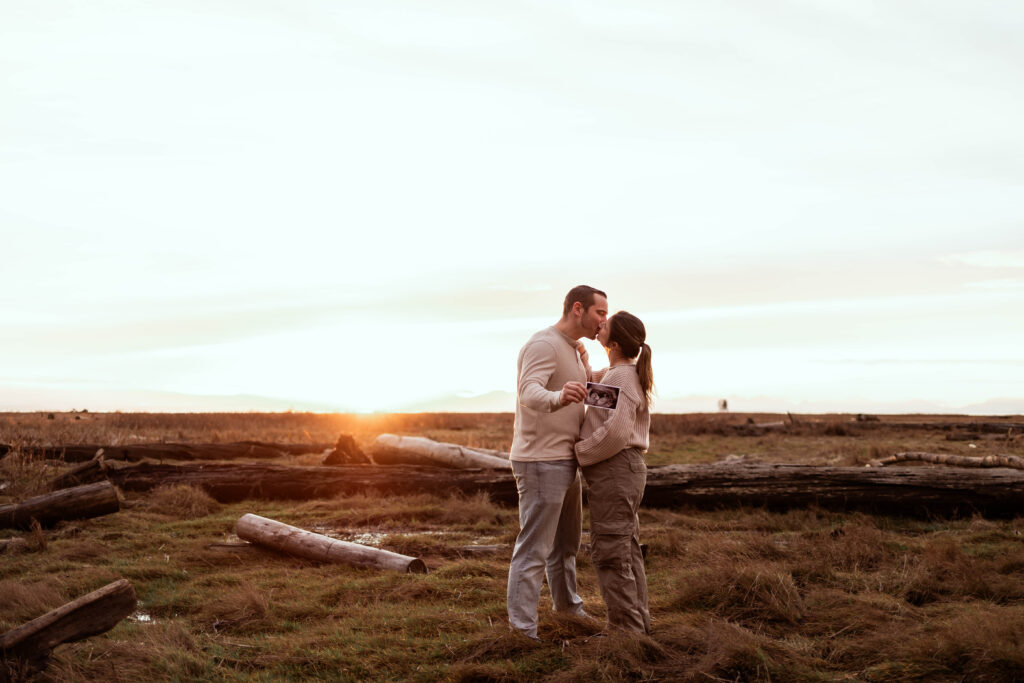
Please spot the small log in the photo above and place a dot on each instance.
(311, 546)
(955, 460)
(79, 502)
(30, 644)
(86, 473)
(418, 450)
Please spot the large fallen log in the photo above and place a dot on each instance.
(79, 502)
(390, 449)
(917, 491)
(232, 482)
(311, 546)
(254, 450)
(27, 648)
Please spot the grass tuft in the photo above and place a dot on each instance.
(181, 501)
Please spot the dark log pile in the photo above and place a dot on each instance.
(917, 491)
(345, 452)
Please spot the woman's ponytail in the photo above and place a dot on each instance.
(644, 371)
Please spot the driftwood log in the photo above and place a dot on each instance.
(78, 502)
(254, 450)
(915, 491)
(311, 546)
(27, 648)
(389, 449)
(85, 473)
(1011, 461)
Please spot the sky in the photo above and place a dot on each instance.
(370, 206)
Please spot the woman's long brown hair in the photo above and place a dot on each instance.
(631, 336)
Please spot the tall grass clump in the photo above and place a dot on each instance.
(181, 501)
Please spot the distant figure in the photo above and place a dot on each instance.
(723, 405)
(611, 453)
(550, 390)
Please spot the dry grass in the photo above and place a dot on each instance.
(181, 502)
(806, 595)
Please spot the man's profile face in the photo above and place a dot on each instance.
(594, 317)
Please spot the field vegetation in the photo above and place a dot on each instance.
(740, 594)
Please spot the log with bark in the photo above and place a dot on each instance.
(27, 648)
(79, 502)
(254, 450)
(390, 449)
(312, 546)
(995, 460)
(230, 482)
(85, 473)
(914, 491)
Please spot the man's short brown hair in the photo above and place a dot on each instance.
(582, 293)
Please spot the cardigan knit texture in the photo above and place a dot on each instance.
(606, 432)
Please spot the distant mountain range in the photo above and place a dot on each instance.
(504, 401)
(62, 399)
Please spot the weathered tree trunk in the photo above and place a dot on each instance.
(916, 491)
(306, 544)
(417, 450)
(27, 647)
(254, 450)
(913, 491)
(86, 473)
(79, 502)
(1011, 461)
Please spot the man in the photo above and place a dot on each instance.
(550, 389)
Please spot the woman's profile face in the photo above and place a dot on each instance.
(602, 333)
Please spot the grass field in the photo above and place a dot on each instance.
(746, 594)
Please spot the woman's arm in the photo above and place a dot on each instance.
(613, 435)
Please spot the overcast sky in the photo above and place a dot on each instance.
(371, 205)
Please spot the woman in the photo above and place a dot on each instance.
(611, 454)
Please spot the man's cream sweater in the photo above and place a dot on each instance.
(544, 429)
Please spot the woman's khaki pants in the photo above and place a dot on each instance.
(615, 488)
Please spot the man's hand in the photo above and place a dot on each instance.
(573, 392)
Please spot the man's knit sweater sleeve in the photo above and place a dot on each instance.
(538, 365)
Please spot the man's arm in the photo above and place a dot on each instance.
(536, 369)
